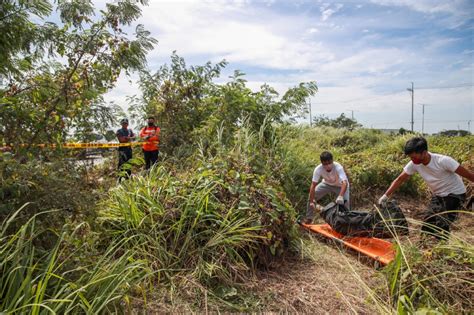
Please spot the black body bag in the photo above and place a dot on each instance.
(385, 224)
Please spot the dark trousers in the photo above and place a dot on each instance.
(124, 154)
(151, 157)
(441, 212)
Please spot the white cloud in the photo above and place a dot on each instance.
(339, 52)
(437, 43)
(327, 12)
(459, 11)
(269, 2)
(125, 87)
(234, 33)
(425, 6)
(373, 61)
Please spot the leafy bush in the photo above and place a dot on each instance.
(371, 159)
(186, 100)
(214, 219)
(58, 184)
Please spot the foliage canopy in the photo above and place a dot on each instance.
(54, 74)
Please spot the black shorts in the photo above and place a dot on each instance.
(441, 212)
(151, 157)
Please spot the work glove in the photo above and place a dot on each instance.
(383, 199)
(340, 200)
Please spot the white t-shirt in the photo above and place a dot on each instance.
(333, 178)
(439, 174)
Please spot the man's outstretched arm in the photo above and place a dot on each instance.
(464, 172)
(403, 177)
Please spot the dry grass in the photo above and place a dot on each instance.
(329, 282)
(326, 283)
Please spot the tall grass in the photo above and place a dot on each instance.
(36, 280)
(432, 275)
(426, 276)
(213, 219)
(187, 232)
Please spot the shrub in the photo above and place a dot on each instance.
(214, 217)
(59, 184)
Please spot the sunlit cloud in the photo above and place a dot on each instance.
(369, 50)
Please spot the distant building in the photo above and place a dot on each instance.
(390, 131)
(454, 133)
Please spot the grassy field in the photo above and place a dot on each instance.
(214, 230)
(212, 227)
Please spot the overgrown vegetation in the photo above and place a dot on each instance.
(371, 159)
(437, 278)
(54, 75)
(220, 205)
(70, 276)
(185, 99)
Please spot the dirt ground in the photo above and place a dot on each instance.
(335, 283)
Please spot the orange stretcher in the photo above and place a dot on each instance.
(375, 248)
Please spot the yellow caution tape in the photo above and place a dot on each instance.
(100, 145)
(76, 145)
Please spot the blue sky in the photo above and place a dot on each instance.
(363, 54)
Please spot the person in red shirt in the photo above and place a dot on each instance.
(151, 135)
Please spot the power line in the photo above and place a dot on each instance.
(352, 113)
(443, 121)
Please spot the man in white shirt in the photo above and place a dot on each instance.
(334, 181)
(442, 174)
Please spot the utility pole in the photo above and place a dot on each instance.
(310, 116)
(469, 125)
(352, 113)
(423, 119)
(412, 90)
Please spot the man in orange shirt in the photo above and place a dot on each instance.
(151, 135)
